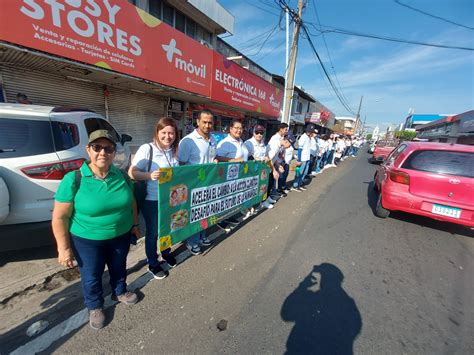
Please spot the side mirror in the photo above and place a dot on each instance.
(125, 138)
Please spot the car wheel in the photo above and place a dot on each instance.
(379, 210)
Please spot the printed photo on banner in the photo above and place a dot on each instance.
(233, 171)
(178, 195)
(179, 219)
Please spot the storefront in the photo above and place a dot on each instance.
(66, 61)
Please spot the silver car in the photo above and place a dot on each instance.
(38, 146)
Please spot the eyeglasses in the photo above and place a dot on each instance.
(260, 132)
(236, 128)
(108, 149)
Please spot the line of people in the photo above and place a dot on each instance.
(95, 215)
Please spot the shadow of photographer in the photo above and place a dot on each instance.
(327, 320)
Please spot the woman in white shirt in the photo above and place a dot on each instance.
(163, 152)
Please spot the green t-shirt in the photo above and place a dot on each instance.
(102, 208)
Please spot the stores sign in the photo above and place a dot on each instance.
(111, 34)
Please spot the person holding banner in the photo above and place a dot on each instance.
(274, 150)
(199, 147)
(232, 149)
(256, 146)
(164, 155)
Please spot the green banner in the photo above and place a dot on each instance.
(195, 197)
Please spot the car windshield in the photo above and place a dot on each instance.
(442, 162)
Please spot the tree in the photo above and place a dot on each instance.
(368, 136)
(405, 135)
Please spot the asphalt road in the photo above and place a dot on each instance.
(317, 274)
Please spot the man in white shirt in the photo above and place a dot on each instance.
(304, 156)
(198, 147)
(314, 150)
(274, 149)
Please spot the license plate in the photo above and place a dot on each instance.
(446, 211)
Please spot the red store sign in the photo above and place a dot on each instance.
(118, 36)
(111, 34)
(236, 86)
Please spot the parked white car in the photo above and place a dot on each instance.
(38, 146)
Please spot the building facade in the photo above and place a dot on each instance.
(132, 62)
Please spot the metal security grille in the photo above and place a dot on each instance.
(44, 88)
(135, 113)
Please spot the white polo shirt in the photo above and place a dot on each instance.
(232, 148)
(195, 149)
(289, 154)
(255, 149)
(274, 147)
(304, 143)
(160, 159)
(313, 146)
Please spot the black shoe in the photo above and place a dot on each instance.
(282, 193)
(157, 272)
(232, 220)
(170, 260)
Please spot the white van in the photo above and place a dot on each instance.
(38, 146)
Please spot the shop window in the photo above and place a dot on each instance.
(155, 8)
(180, 21)
(168, 15)
(299, 107)
(190, 28)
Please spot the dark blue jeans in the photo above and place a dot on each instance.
(92, 256)
(150, 214)
(283, 177)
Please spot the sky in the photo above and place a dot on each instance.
(392, 77)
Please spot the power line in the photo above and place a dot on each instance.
(327, 51)
(434, 16)
(261, 8)
(329, 29)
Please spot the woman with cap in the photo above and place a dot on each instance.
(93, 218)
(287, 156)
(146, 164)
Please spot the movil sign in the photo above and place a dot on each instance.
(274, 103)
(173, 53)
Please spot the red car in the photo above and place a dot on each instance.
(382, 149)
(435, 180)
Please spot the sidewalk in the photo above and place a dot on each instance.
(32, 283)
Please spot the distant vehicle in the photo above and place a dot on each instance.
(430, 179)
(38, 146)
(382, 149)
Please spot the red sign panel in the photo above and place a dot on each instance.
(111, 34)
(236, 86)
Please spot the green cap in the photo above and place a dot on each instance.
(101, 133)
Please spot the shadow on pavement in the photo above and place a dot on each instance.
(327, 320)
(372, 196)
(45, 252)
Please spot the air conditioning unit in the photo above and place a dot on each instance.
(206, 43)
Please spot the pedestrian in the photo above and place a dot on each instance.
(22, 99)
(162, 152)
(313, 153)
(304, 156)
(199, 147)
(288, 145)
(93, 218)
(274, 148)
(232, 147)
(257, 150)
(233, 150)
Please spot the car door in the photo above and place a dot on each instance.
(4, 200)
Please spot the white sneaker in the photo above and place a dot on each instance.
(297, 189)
(286, 191)
(314, 173)
(270, 200)
(267, 204)
(303, 188)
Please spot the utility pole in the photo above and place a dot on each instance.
(358, 115)
(287, 48)
(290, 82)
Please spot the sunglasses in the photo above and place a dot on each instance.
(260, 132)
(108, 149)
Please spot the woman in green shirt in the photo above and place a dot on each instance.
(93, 218)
